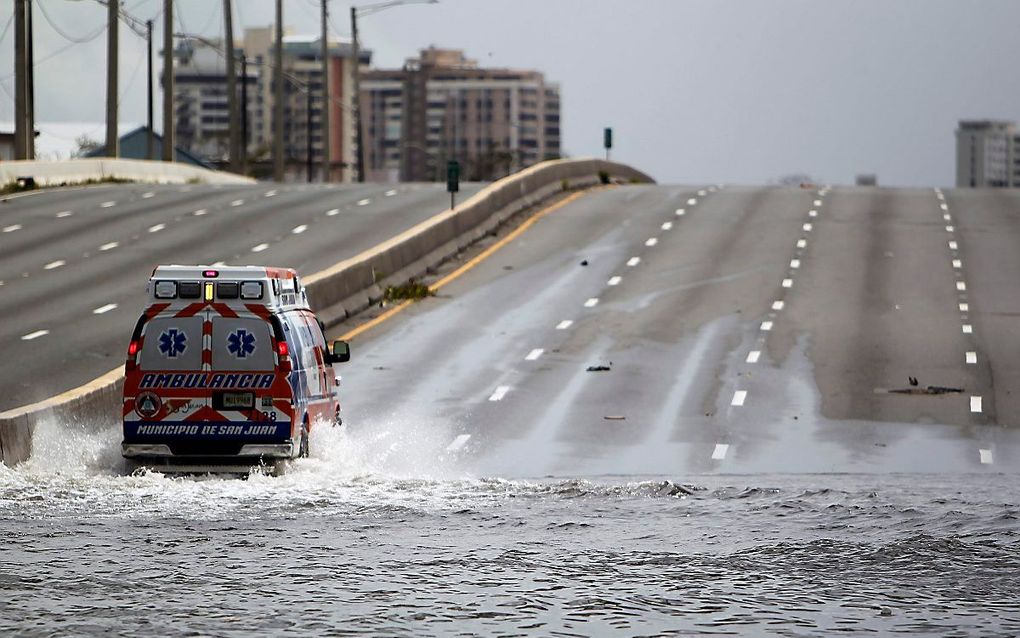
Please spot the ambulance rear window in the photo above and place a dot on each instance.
(172, 343)
(241, 344)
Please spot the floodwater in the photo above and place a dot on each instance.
(380, 534)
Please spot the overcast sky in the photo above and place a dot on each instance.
(696, 90)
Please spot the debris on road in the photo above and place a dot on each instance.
(598, 368)
(584, 262)
(614, 417)
(929, 390)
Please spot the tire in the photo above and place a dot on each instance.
(303, 450)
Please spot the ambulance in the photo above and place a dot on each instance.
(227, 365)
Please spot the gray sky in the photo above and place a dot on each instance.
(696, 90)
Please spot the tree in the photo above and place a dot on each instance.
(85, 145)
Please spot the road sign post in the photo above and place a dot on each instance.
(607, 140)
(452, 181)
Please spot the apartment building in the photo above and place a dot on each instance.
(442, 105)
(987, 154)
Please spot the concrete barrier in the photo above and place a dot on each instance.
(351, 285)
(76, 171)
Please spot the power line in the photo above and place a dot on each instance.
(6, 28)
(64, 34)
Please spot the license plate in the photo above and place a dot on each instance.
(238, 400)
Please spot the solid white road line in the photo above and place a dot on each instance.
(971, 357)
(738, 398)
(499, 393)
(753, 356)
(975, 404)
(35, 335)
(107, 204)
(778, 305)
(458, 443)
(614, 281)
(332, 212)
(237, 202)
(965, 307)
(592, 302)
(64, 213)
(12, 228)
(199, 212)
(961, 286)
(109, 246)
(156, 228)
(952, 245)
(364, 202)
(104, 309)
(54, 264)
(259, 248)
(651, 241)
(968, 329)
(986, 456)
(680, 212)
(297, 230)
(563, 325)
(719, 453)
(633, 261)
(534, 354)
(766, 325)
(667, 226)
(787, 283)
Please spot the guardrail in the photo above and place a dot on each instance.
(76, 171)
(351, 285)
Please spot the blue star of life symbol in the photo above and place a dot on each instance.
(173, 342)
(241, 343)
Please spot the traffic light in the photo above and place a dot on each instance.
(452, 176)
(607, 138)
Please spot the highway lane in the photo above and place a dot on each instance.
(74, 263)
(753, 330)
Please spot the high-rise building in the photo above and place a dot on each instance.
(201, 101)
(987, 154)
(443, 106)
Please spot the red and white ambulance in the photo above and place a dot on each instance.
(227, 365)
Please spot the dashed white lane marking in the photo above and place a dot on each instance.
(944, 206)
(794, 263)
(947, 217)
(961, 286)
(109, 246)
(332, 212)
(952, 245)
(199, 212)
(499, 393)
(812, 213)
(458, 443)
(975, 404)
(971, 357)
(950, 229)
(297, 230)
(692, 202)
(54, 264)
(766, 325)
(957, 263)
(968, 329)
(719, 453)
(965, 307)
(614, 281)
(592, 302)
(801, 243)
(270, 193)
(667, 226)
(64, 213)
(147, 195)
(390, 193)
(107, 204)
(702, 193)
(633, 261)
(534, 354)
(12, 228)
(986, 456)
(104, 309)
(259, 248)
(651, 241)
(364, 202)
(34, 335)
(778, 305)
(237, 202)
(787, 283)
(753, 356)
(807, 227)
(818, 202)
(680, 212)
(739, 397)
(219, 264)
(156, 228)
(563, 325)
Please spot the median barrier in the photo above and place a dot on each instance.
(350, 285)
(85, 170)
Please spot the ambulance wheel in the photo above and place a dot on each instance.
(337, 419)
(303, 450)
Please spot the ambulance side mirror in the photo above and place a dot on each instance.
(341, 352)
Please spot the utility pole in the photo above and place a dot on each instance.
(30, 94)
(235, 124)
(327, 105)
(168, 81)
(244, 112)
(20, 82)
(278, 96)
(308, 133)
(112, 24)
(356, 106)
(150, 140)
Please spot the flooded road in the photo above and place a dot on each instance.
(379, 534)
